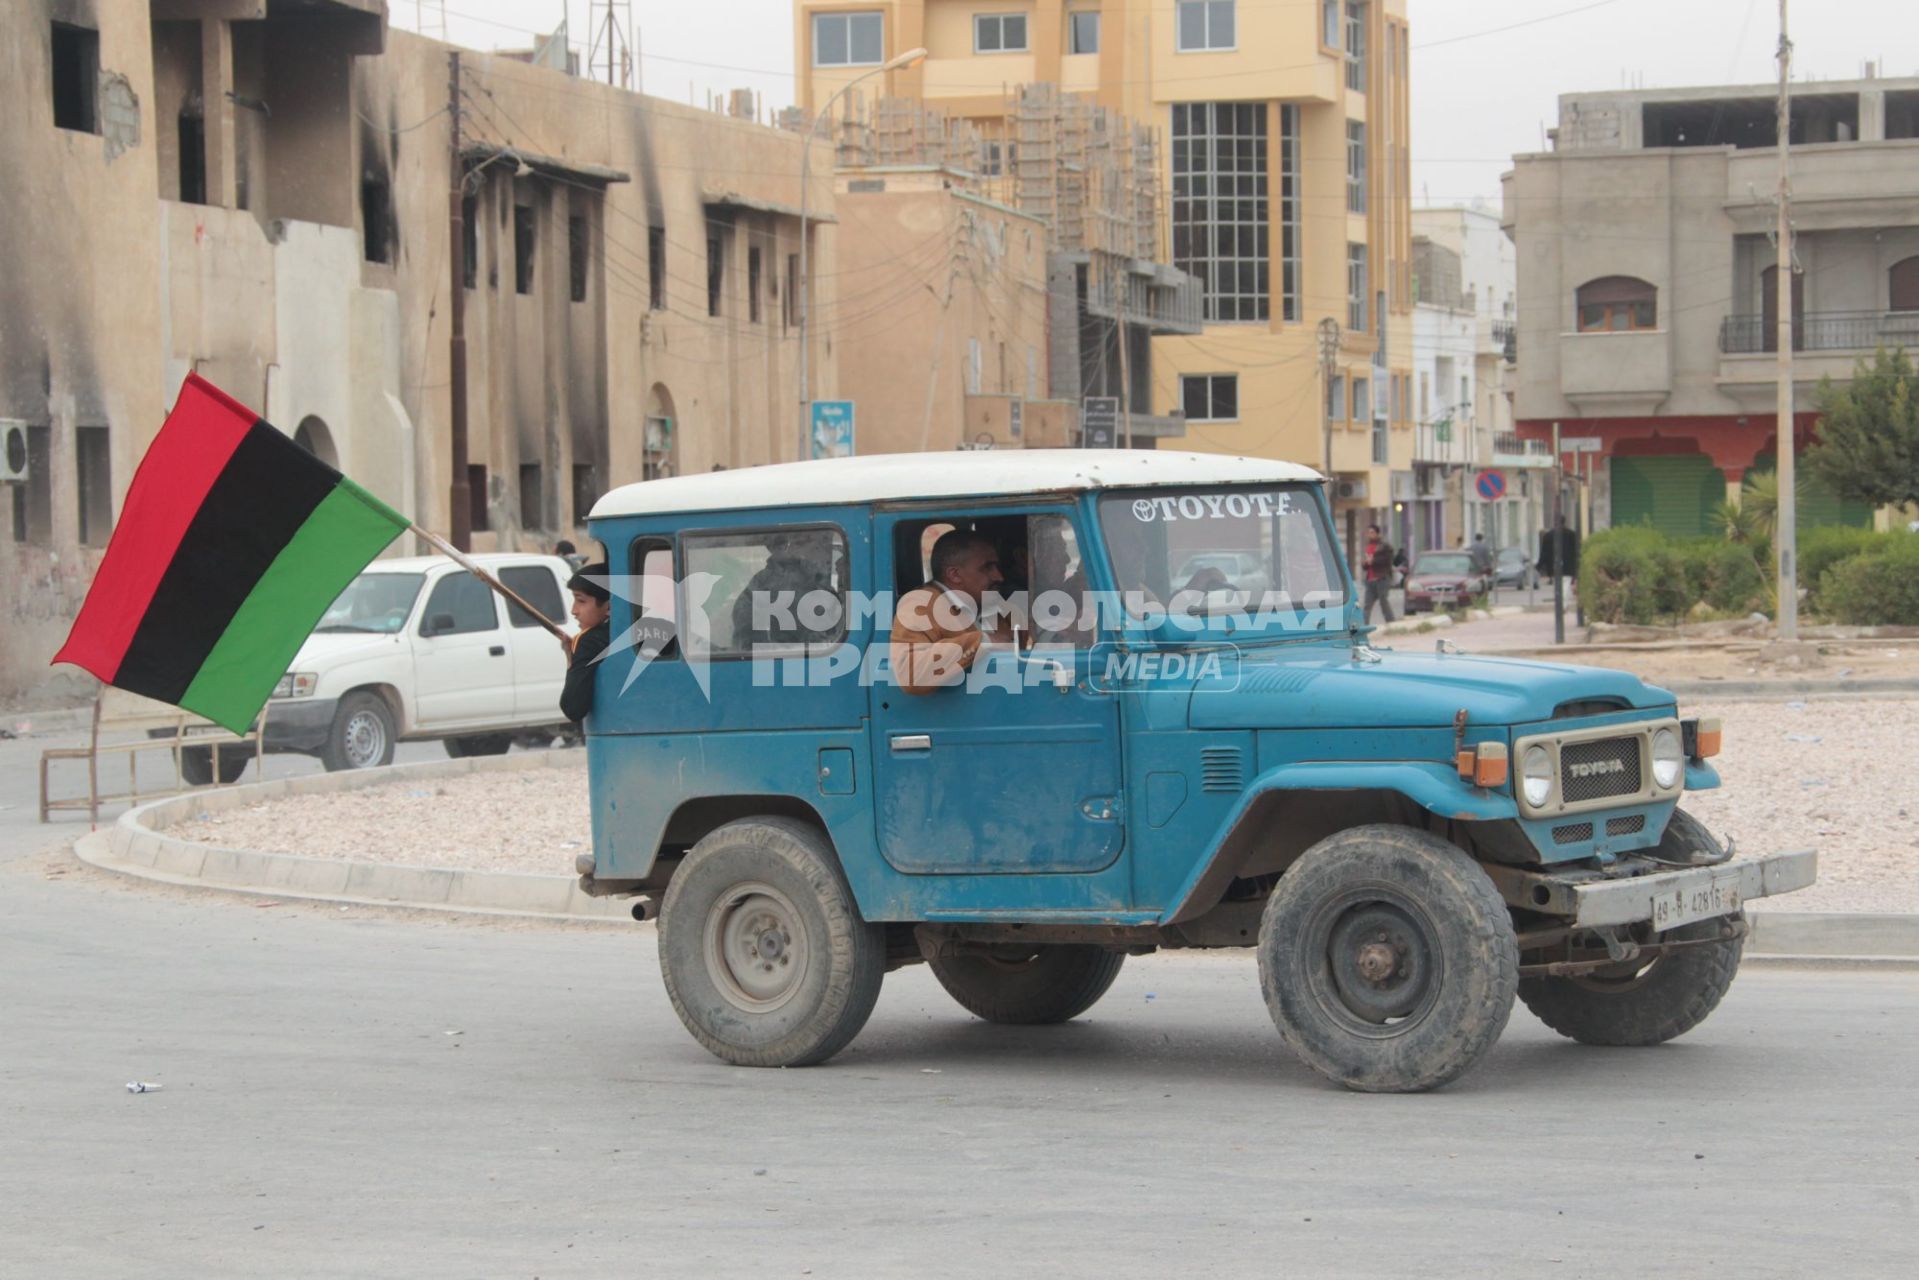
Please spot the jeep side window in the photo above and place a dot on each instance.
(769, 591)
(656, 612)
(467, 600)
(1058, 594)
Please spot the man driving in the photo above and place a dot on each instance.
(936, 629)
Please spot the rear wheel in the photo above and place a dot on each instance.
(479, 744)
(1387, 960)
(1027, 986)
(196, 764)
(1649, 1001)
(765, 956)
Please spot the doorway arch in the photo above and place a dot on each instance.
(313, 436)
(659, 445)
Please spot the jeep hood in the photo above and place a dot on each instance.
(1326, 688)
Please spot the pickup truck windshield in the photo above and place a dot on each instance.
(1233, 549)
(377, 602)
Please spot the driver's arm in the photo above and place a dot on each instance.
(926, 656)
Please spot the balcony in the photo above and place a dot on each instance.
(1821, 331)
(1616, 373)
(1506, 338)
(1509, 450)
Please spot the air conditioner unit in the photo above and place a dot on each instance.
(1351, 490)
(13, 450)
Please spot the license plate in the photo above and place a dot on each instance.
(1689, 904)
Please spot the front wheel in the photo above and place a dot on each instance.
(765, 956)
(196, 764)
(361, 736)
(1387, 960)
(1029, 986)
(1647, 1002)
(479, 744)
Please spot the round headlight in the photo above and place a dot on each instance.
(1536, 776)
(1668, 758)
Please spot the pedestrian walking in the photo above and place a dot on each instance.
(1378, 566)
(1482, 554)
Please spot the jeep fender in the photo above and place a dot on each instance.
(1432, 786)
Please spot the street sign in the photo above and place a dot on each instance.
(1581, 444)
(1099, 422)
(1491, 485)
(832, 428)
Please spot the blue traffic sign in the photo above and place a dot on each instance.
(1491, 485)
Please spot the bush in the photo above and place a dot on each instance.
(1735, 581)
(1632, 575)
(1823, 548)
(1877, 588)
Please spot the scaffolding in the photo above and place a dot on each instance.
(1091, 176)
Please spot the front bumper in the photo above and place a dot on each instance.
(299, 724)
(1664, 898)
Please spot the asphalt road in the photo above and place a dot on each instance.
(321, 1117)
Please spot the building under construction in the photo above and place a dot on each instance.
(1078, 179)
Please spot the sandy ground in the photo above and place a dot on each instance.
(1828, 775)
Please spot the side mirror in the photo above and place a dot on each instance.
(438, 624)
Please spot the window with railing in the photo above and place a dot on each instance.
(1356, 166)
(1902, 285)
(1616, 304)
(1356, 306)
(1355, 46)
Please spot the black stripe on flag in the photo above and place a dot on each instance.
(266, 492)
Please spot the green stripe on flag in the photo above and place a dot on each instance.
(340, 538)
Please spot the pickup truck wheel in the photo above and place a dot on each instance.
(1643, 1002)
(196, 764)
(765, 956)
(361, 736)
(479, 744)
(1029, 986)
(1387, 960)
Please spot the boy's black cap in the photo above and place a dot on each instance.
(582, 581)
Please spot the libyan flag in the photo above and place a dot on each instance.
(232, 543)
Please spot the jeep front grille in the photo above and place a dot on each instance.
(1597, 769)
(1630, 825)
(1573, 833)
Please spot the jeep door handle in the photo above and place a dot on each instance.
(911, 742)
(497, 651)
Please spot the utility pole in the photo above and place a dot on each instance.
(460, 518)
(1125, 371)
(1556, 542)
(1786, 520)
(1328, 361)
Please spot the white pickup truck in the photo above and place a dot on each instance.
(417, 649)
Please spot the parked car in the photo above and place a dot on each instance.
(1513, 568)
(1442, 580)
(418, 649)
(1407, 840)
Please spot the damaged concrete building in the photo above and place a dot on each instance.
(261, 190)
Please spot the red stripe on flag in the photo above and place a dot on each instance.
(186, 457)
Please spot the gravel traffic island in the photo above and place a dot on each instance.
(1828, 775)
(533, 821)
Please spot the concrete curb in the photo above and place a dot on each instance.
(135, 845)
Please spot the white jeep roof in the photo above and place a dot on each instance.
(485, 559)
(964, 473)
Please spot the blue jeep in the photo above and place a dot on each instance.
(1407, 840)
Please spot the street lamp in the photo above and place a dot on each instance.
(1328, 356)
(912, 57)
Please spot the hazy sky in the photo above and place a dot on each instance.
(1480, 93)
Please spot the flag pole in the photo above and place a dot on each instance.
(467, 562)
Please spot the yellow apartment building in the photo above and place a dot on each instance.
(1284, 137)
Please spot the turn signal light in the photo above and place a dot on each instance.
(1490, 764)
(1709, 735)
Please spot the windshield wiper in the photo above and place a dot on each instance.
(344, 626)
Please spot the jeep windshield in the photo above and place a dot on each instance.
(375, 602)
(1200, 562)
